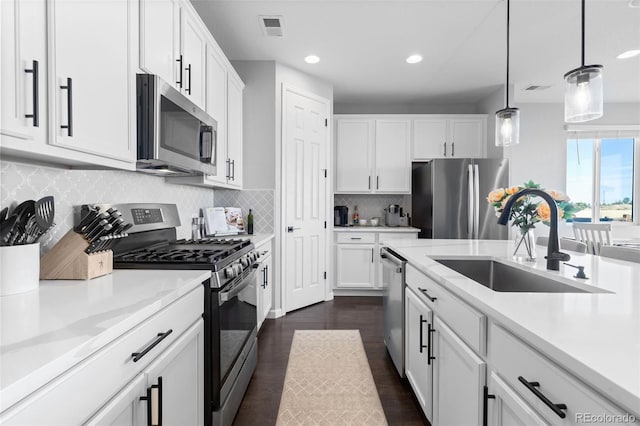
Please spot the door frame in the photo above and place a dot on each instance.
(283, 188)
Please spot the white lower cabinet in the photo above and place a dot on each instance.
(265, 288)
(418, 326)
(355, 266)
(124, 408)
(458, 380)
(506, 408)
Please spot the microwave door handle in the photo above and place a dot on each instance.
(206, 144)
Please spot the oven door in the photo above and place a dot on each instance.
(236, 319)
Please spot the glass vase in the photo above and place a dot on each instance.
(525, 245)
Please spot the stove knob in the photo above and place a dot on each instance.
(230, 272)
(238, 269)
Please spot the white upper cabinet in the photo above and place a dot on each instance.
(449, 136)
(217, 107)
(24, 71)
(193, 47)
(234, 131)
(158, 38)
(393, 161)
(354, 154)
(430, 138)
(92, 83)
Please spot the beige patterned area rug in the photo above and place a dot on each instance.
(329, 382)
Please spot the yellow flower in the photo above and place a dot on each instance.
(496, 195)
(512, 190)
(544, 212)
(557, 195)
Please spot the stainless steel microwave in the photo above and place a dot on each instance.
(175, 136)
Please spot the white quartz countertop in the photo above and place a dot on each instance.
(258, 239)
(367, 228)
(46, 331)
(596, 336)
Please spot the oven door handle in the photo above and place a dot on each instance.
(224, 296)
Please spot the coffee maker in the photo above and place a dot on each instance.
(393, 216)
(340, 216)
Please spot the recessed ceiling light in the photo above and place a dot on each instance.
(312, 59)
(629, 54)
(634, 3)
(414, 59)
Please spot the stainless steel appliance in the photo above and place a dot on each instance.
(175, 137)
(393, 277)
(340, 216)
(449, 198)
(229, 306)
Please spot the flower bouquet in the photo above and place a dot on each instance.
(529, 210)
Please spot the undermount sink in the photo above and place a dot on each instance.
(504, 278)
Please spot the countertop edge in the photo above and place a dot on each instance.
(379, 229)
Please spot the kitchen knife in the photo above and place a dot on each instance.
(94, 224)
(89, 217)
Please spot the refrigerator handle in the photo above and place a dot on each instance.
(476, 208)
(471, 204)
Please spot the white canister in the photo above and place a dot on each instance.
(19, 269)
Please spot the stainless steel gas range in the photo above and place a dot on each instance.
(230, 320)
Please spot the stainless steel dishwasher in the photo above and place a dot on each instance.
(393, 273)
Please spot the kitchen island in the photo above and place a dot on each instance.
(592, 335)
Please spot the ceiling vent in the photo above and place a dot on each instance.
(536, 87)
(272, 26)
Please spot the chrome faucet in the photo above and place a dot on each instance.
(554, 255)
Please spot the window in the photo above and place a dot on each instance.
(601, 177)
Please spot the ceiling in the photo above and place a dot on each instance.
(363, 45)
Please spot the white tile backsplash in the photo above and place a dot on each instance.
(72, 188)
(262, 202)
(371, 205)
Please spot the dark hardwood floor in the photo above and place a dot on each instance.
(260, 404)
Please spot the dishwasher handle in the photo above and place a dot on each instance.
(390, 257)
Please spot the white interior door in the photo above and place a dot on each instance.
(305, 194)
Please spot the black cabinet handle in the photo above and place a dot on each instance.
(228, 171)
(485, 403)
(159, 400)
(445, 148)
(36, 76)
(69, 89)
(429, 340)
(453, 149)
(377, 182)
(188, 69)
(266, 275)
(233, 170)
(424, 291)
(422, 345)
(369, 182)
(147, 398)
(179, 82)
(532, 386)
(161, 336)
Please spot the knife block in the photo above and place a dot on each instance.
(68, 261)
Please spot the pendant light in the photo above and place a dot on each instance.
(507, 119)
(583, 90)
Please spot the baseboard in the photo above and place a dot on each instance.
(275, 313)
(329, 297)
(368, 292)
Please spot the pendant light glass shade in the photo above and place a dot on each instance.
(508, 127)
(583, 94)
(508, 118)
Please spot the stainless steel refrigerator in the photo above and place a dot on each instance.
(448, 198)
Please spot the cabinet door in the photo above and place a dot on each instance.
(458, 380)
(92, 85)
(393, 160)
(217, 108)
(126, 408)
(506, 408)
(178, 374)
(193, 58)
(418, 368)
(467, 137)
(355, 265)
(23, 93)
(354, 155)
(158, 31)
(234, 131)
(430, 139)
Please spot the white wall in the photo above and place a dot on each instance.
(367, 108)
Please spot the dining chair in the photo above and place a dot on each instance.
(594, 235)
(565, 244)
(621, 253)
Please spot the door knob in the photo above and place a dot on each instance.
(291, 228)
